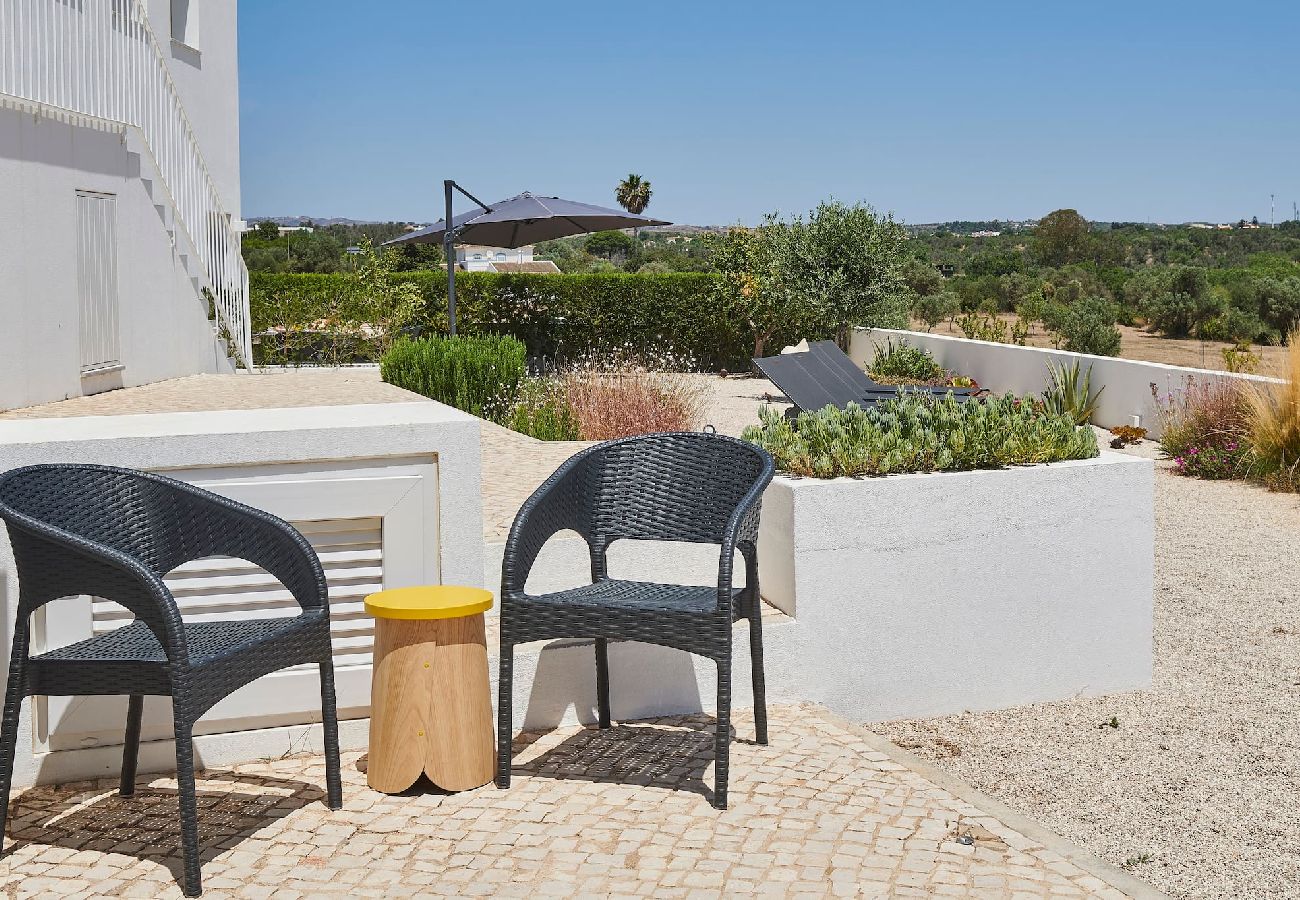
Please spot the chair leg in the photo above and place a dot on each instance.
(756, 668)
(193, 885)
(9, 727)
(329, 715)
(131, 747)
(505, 716)
(602, 680)
(722, 739)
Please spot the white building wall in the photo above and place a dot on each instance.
(207, 77)
(164, 329)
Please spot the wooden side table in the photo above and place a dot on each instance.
(430, 709)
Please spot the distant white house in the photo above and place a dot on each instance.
(119, 195)
(478, 258)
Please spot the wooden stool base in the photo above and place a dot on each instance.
(429, 705)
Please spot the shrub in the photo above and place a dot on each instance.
(542, 410)
(902, 363)
(1211, 462)
(1273, 416)
(564, 315)
(471, 373)
(1071, 393)
(919, 434)
(1085, 326)
(990, 328)
(935, 308)
(620, 400)
(1241, 359)
(1205, 427)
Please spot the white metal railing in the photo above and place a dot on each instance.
(99, 60)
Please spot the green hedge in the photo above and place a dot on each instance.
(475, 373)
(684, 313)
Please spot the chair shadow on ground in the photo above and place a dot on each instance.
(669, 754)
(146, 825)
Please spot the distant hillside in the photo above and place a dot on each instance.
(315, 220)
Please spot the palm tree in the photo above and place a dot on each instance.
(633, 194)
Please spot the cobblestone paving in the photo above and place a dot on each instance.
(821, 811)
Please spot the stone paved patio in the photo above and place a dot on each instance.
(826, 809)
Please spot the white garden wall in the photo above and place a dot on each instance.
(931, 594)
(1023, 370)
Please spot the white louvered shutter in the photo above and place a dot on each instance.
(219, 587)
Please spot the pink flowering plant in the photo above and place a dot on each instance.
(1212, 462)
(1205, 429)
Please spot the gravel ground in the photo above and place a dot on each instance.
(1195, 789)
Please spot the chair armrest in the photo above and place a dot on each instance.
(557, 505)
(94, 569)
(742, 534)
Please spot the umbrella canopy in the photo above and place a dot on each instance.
(526, 219)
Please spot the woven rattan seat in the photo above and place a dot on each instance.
(696, 488)
(114, 533)
(136, 643)
(620, 596)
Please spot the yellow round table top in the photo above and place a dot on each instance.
(437, 601)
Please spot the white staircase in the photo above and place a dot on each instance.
(98, 63)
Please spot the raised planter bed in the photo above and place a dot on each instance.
(930, 594)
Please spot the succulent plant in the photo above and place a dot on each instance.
(920, 433)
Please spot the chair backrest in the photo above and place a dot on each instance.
(135, 513)
(679, 486)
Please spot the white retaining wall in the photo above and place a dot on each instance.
(1023, 370)
(931, 594)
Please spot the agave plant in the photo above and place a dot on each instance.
(1071, 393)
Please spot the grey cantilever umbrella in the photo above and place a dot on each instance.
(517, 222)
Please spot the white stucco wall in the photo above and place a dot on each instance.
(931, 594)
(207, 78)
(322, 460)
(163, 326)
(1023, 370)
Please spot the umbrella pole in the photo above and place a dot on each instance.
(449, 253)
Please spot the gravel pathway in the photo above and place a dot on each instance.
(1192, 784)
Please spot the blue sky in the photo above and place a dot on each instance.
(1154, 111)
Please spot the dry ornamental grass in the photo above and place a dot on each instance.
(1273, 416)
(633, 401)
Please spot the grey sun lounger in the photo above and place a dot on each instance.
(824, 376)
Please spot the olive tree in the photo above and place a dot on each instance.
(818, 275)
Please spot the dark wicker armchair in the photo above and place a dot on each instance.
(701, 488)
(114, 533)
